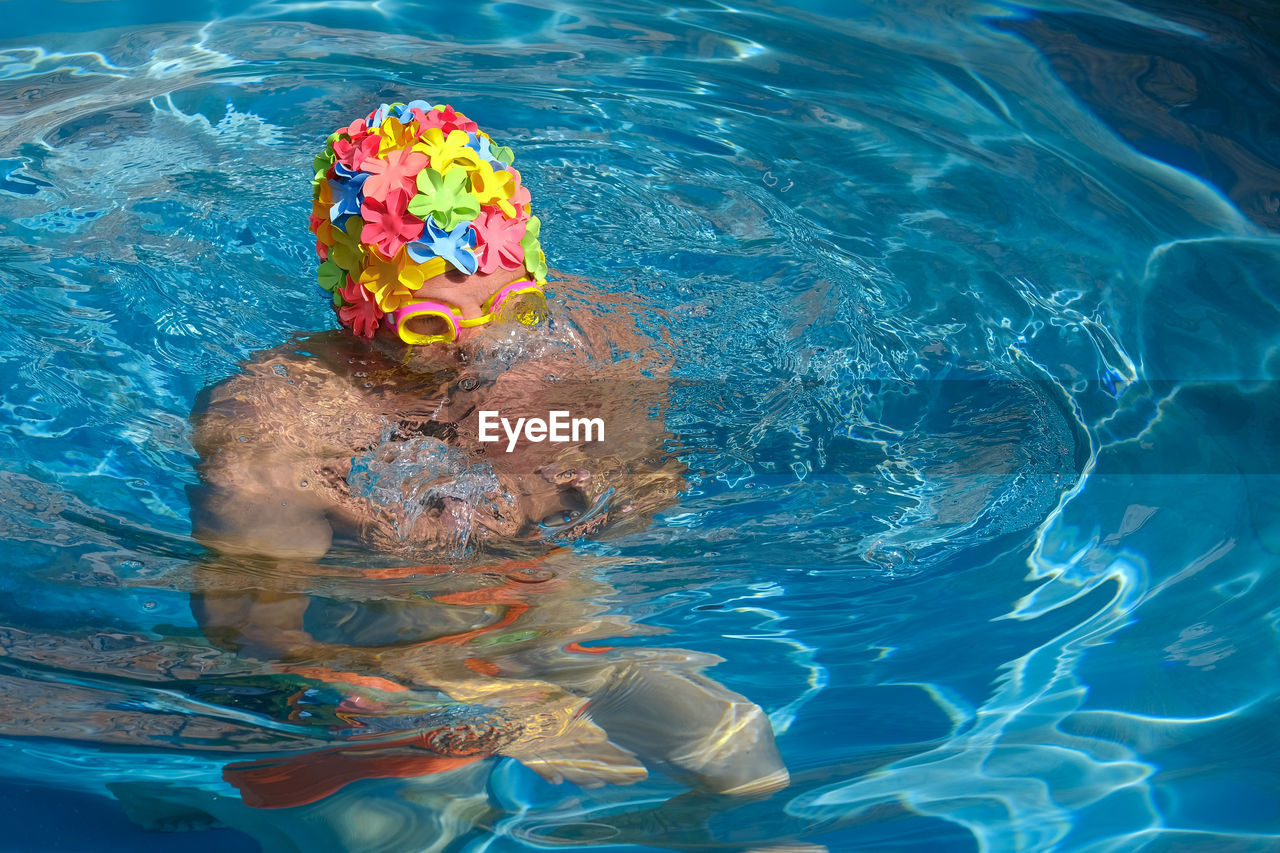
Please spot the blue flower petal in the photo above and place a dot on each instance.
(406, 110)
(480, 145)
(454, 246)
(347, 196)
(380, 115)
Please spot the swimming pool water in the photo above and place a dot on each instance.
(973, 314)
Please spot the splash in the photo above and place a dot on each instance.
(427, 491)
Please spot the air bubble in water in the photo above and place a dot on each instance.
(406, 479)
(891, 556)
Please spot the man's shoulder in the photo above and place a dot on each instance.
(291, 369)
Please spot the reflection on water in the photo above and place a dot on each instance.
(967, 327)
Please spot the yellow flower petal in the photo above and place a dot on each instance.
(446, 151)
(395, 136)
(487, 185)
(392, 282)
(324, 233)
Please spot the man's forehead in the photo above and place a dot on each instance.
(451, 282)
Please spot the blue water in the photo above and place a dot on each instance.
(974, 314)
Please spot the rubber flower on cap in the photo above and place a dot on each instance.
(321, 165)
(319, 216)
(396, 135)
(331, 276)
(360, 312)
(389, 224)
(454, 246)
(498, 241)
(503, 155)
(392, 282)
(445, 119)
(353, 153)
(346, 196)
(501, 189)
(397, 171)
(518, 197)
(488, 186)
(447, 150)
(324, 237)
(444, 198)
(378, 116)
(337, 299)
(321, 223)
(480, 143)
(534, 259)
(412, 111)
(346, 250)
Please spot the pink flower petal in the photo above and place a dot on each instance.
(498, 241)
(354, 154)
(361, 313)
(399, 171)
(388, 224)
(450, 120)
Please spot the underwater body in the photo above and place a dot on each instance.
(968, 312)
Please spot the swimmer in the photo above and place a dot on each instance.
(368, 439)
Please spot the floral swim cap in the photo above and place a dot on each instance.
(406, 193)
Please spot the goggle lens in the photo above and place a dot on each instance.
(427, 327)
(528, 309)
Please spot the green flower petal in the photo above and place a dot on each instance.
(346, 249)
(502, 154)
(533, 229)
(534, 259)
(331, 276)
(444, 198)
(321, 165)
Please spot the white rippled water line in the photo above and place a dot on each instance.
(991, 775)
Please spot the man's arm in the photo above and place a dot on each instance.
(257, 446)
(252, 506)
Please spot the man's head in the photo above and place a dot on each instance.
(423, 226)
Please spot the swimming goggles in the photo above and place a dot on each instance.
(427, 322)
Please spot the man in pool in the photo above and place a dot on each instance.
(374, 438)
